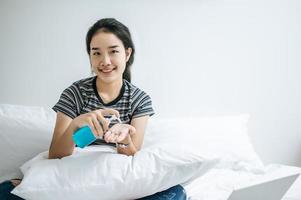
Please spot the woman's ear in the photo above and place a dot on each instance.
(128, 53)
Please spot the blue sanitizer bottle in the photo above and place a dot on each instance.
(83, 137)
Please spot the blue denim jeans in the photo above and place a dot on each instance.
(5, 188)
(174, 193)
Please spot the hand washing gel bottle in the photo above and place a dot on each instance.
(83, 137)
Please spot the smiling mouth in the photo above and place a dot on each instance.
(106, 71)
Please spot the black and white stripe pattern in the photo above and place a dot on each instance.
(82, 97)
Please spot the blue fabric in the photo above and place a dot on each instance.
(174, 193)
(5, 188)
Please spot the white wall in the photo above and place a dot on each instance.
(193, 58)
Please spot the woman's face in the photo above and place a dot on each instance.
(108, 56)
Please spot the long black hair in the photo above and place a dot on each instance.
(111, 25)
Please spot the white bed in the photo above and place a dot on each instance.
(210, 158)
(219, 183)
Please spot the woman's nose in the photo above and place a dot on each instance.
(106, 60)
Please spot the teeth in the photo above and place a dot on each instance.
(107, 70)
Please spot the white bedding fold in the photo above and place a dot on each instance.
(217, 184)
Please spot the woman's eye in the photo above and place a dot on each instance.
(96, 53)
(115, 51)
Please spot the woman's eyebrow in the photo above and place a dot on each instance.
(110, 47)
(95, 48)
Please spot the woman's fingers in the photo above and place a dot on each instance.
(110, 136)
(92, 127)
(119, 132)
(97, 126)
(103, 122)
(132, 129)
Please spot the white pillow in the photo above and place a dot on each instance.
(24, 132)
(108, 175)
(27, 112)
(223, 137)
(28, 131)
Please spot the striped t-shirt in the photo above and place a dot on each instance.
(82, 97)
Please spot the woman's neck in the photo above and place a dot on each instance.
(108, 91)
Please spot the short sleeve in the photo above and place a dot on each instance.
(68, 102)
(144, 106)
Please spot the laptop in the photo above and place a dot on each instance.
(273, 189)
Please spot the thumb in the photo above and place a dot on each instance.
(132, 129)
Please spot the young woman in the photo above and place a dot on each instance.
(110, 92)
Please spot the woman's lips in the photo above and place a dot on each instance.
(106, 71)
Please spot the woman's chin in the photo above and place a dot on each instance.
(108, 79)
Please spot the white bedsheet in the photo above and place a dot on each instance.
(294, 193)
(218, 184)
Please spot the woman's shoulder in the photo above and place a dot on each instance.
(135, 92)
(132, 88)
(82, 86)
(141, 102)
(84, 82)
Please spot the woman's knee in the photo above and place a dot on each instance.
(174, 193)
(5, 191)
(178, 193)
(15, 182)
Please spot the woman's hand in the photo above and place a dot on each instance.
(95, 120)
(120, 133)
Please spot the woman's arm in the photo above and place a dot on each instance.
(136, 140)
(62, 143)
